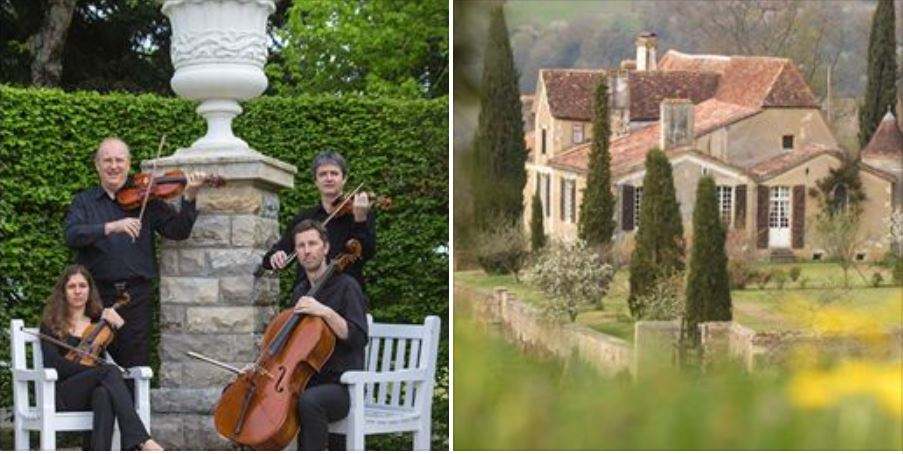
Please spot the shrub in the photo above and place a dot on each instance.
(877, 279)
(763, 278)
(502, 249)
(795, 273)
(572, 276)
(780, 278)
(803, 282)
(739, 259)
(898, 271)
(665, 301)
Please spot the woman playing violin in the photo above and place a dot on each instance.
(330, 173)
(70, 309)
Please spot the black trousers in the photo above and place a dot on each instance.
(102, 389)
(318, 406)
(131, 346)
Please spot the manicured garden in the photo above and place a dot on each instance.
(772, 306)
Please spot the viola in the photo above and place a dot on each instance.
(97, 336)
(146, 186)
(259, 408)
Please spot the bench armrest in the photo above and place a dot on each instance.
(44, 375)
(361, 376)
(139, 373)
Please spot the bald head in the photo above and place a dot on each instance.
(112, 161)
(112, 143)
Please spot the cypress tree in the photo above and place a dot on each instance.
(499, 152)
(597, 209)
(537, 231)
(708, 285)
(881, 89)
(659, 250)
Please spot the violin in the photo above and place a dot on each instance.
(97, 336)
(259, 409)
(343, 204)
(146, 186)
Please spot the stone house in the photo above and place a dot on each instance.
(750, 122)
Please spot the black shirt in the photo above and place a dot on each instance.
(339, 230)
(116, 257)
(55, 356)
(343, 295)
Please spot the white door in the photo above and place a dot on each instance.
(779, 217)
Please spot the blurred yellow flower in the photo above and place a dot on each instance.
(883, 382)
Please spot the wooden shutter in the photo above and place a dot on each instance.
(561, 199)
(573, 194)
(762, 217)
(740, 207)
(798, 223)
(627, 207)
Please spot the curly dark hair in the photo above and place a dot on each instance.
(56, 308)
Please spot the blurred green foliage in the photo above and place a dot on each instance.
(506, 399)
(397, 148)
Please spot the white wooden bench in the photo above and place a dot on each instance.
(395, 392)
(42, 415)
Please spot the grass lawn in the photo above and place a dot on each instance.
(769, 308)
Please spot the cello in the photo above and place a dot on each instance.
(259, 408)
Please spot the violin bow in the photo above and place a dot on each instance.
(151, 183)
(291, 257)
(58, 343)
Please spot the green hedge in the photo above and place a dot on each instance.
(398, 148)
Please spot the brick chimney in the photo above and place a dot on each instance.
(676, 117)
(645, 52)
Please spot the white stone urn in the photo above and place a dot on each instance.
(218, 51)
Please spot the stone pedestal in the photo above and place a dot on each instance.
(208, 302)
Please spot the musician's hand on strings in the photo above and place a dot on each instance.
(277, 260)
(110, 315)
(309, 306)
(195, 181)
(360, 207)
(128, 226)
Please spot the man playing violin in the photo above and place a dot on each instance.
(341, 304)
(116, 246)
(330, 173)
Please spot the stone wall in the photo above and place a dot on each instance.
(656, 342)
(527, 326)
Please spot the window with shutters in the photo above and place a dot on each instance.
(577, 133)
(562, 211)
(779, 209)
(568, 196)
(726, 203)
(637, 199)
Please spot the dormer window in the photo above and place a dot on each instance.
(577, 134)
(787, 142)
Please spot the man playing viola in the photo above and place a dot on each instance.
(330, 173)
(116, 246)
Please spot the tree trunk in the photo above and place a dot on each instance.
(48, 43)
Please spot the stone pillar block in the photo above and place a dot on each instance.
(210, 303)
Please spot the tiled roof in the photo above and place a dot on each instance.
(679, 61)
(570, 92)
(630, 150)
(774, 166)
(749, 81)
(887, 140)
(649, 88)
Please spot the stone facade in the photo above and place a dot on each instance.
(210, 302)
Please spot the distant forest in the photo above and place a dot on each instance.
(816, 35)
